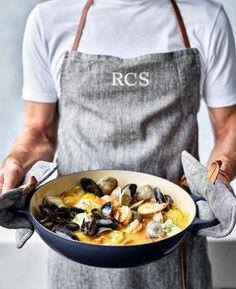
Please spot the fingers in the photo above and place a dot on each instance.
(10, 177)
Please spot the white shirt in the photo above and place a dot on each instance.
(126, 29)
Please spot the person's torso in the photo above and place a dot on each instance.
(125, 28)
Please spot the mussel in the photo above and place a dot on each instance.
(168, 200)
(90, 186)
(89, 228)
(107, 223)
(159, 196)
(103, 230)
(97, 214)
(63, 231)
(106, 209)
(126, 194)
(155, 230)
(107, 185)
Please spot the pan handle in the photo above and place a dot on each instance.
(199, 224)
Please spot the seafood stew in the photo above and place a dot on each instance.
(107, 211)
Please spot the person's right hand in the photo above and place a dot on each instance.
(11, 175)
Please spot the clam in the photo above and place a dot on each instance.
(88, 185)
(116, 193)
(79, 218)
(144, 193)
(107, 185)
(136, 205)
(65, 232)
(137, 216)
(159, 196)
(155, 230)
(123, 215)
(134, 227)
(158, 217)
(53, 201)
(151, 208)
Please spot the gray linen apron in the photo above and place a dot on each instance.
(138, 124)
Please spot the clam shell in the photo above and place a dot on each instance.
(116, 193)
(107, 184)
(158, 217)
(134, 227)
(136, 205)
(155, 230)
(144, 193)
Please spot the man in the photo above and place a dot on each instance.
(126, 97)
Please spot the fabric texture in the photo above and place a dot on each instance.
(220, 202)
(16, 200)
(124, 33)
(105, 126)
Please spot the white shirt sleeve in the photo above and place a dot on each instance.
(38, 82)
(219, 87)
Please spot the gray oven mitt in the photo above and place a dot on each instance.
(219, 201)
(16, 199)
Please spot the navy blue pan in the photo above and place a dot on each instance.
(114, 256)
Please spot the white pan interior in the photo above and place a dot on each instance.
(66, 183)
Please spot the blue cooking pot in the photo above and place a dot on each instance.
(114, 256)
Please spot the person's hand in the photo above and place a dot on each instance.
(11, 175)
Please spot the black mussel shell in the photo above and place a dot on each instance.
(90, 186)
(168, 200)
(159, 196)
(62, 231)
(106, 209)
(107, 223)
(72, 226)
(89, 228)
(97, 214)
(133, 189)
(102, 230)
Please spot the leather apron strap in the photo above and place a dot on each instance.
(89, 3)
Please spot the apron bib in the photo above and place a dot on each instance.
(131, 114)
